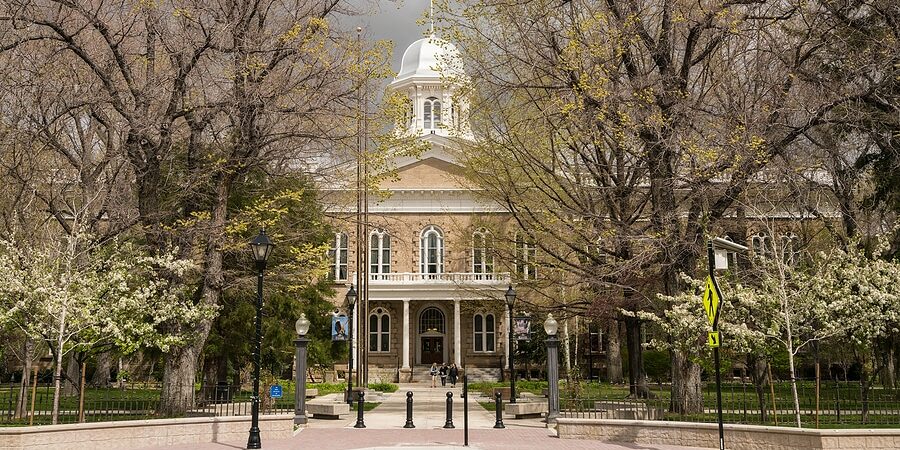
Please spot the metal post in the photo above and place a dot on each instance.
(254, 440)
(300, 382)
(465, 410)
(449, 422)
(409, 406)
(710, 253)
(360, 406)
(498, 406)
(512, 366)
(552, 378)
(350, 357)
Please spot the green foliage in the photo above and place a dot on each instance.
(657, 365)
(383, 387)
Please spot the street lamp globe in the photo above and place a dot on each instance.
(302, 325)
(510, 296)
(261, 246)
(351, 296)
(550, 325)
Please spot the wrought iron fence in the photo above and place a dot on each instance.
(833, 404)
(129, 401)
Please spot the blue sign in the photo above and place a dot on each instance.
(275, 391)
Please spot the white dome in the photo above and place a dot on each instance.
(427, 57)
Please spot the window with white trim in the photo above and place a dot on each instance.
(379, 253)
(379, 331)
(431, 244)
(482, 254)
(526, 258)
(761, 244)
(789, 253)
(337, 256)
(484, 331)
(432, 113)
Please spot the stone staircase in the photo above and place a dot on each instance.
(420, 374)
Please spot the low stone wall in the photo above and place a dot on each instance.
(133, 434)
(737, 437)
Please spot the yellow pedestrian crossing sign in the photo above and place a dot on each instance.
(713, 339)
(711, 300)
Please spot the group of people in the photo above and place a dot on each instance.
(444, 371)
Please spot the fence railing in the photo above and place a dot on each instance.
(129, 401)
(838, 404)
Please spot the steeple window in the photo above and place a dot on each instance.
(432, 113)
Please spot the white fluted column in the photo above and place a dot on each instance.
(405, 351)
(457, 339)
(355, 325)
(507, 329)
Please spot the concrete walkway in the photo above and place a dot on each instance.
(384, 429)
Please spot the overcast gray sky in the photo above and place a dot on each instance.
(393, 20)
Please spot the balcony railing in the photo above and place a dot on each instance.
(438, 278)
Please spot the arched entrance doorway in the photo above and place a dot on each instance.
(432, 336)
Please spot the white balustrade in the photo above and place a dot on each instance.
(438, 278)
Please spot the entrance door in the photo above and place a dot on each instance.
(432, 350)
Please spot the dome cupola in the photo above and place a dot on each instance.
(429, 57)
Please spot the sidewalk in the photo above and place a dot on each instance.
(384, 429)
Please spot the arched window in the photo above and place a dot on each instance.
(379, 253)
(526, 257)
(482, 253)
(789, 253)
(337, 255)
(483, 328)
(379, 331)
(432, 113)
(432, 250)
(432, 319)
(761, 244)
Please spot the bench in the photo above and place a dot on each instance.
(331, 411)
(312, 393)
(522, 410)
(627, 410)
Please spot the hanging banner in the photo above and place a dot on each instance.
(522, 328)
(338, 328)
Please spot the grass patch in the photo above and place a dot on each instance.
(490, 406)
(367, 406)
(383, 387)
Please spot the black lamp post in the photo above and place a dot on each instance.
(351, 301)
(551, 327)
(262, 247)
(302, 327)
(510, 302)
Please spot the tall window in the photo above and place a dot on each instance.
(379, 253)
(337, 255)
(526, 258)
(789, 253)
(484, 332)
(482, 253)
(432, 250)
(761, 244)
(432, 113)
(379, 331)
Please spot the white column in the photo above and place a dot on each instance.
(356, 321)
(405, 351)
(457, 339)
(507, 330)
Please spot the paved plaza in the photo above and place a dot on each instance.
(384, 429)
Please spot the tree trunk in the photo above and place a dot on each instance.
(180, 365)
(102, 377)
(57, 377)
(614, 353)
(27, 357)
(73, 374)
(687, 395)
(637, 379)
(758, 366)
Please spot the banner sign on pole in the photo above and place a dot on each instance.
(338, 328)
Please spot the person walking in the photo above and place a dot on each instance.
(443, 373)
(454, 374)
(433, 372)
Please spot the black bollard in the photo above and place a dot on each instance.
(409, 421)
(360, 406)
(449, 422)
(498, 405)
